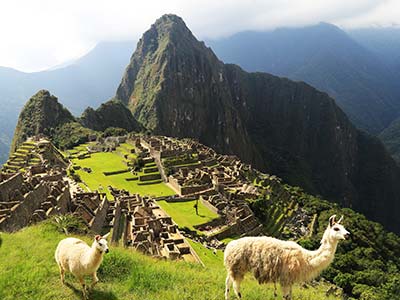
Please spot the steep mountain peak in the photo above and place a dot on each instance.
(41, 114)
(170, 22)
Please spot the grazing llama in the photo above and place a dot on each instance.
(273, 260)
(75, 256)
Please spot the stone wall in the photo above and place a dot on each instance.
(21, 214)
(98, 221)
(8, 187)
(64, 200)
(149, 177)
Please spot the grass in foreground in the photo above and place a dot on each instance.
(28, 271)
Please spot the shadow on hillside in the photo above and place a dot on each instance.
(92, 294)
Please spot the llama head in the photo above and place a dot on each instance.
(101, 243)
(335, 230)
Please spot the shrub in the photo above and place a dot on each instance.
(115, 266)
(114, 131)
(69, 223)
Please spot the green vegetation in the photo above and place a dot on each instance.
(28, 271)
(114, 131)
(184, 214)
(71, 134)
(112, 162)
(41, 114)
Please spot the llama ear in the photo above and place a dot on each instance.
(340, 220)
(97, 237)
(106, 235)
(332, 220)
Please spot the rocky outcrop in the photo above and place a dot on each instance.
(176, 86)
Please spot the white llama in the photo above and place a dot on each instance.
(273, 260)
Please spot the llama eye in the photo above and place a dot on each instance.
(100, 244)
(336, 229)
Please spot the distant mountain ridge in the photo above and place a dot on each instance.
(176, 86)
(329, 59)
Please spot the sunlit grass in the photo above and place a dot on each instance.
(112, 161)
(28, 271)
(184, 213)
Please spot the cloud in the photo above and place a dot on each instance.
(43, 33)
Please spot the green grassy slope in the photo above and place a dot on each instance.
(28, 271)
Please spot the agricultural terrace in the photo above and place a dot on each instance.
(184, 214)
(99, 170)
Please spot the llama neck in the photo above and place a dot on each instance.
(93, 257)
(321, 258)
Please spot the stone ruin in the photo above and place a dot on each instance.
(220, 181)
(141, 224)
(26, 200)
(107, 144)
(92, 208)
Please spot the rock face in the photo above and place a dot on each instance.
(391, 138)
(176, 86)
(110, 114)
(41, 114)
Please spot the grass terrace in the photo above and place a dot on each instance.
(184, 214)
(22, 158)
(102, 163)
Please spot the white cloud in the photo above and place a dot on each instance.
(38, 34)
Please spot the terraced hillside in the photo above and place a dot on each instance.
(24, 156)
(99, 170)
(32, 153)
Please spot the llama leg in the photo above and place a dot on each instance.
(287, 292)
(228, 283)
(95, 279)
(275, 291)
(82, 282)
(62, 274)
(236, 287)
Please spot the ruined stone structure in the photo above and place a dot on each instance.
(144, 226)
(32, 193)
(219, 180)
(93, 208)
(106, 144)
(25, 200)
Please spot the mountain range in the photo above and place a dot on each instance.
(359, 68)
(175, 85)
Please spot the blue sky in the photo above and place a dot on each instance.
(39, 34)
